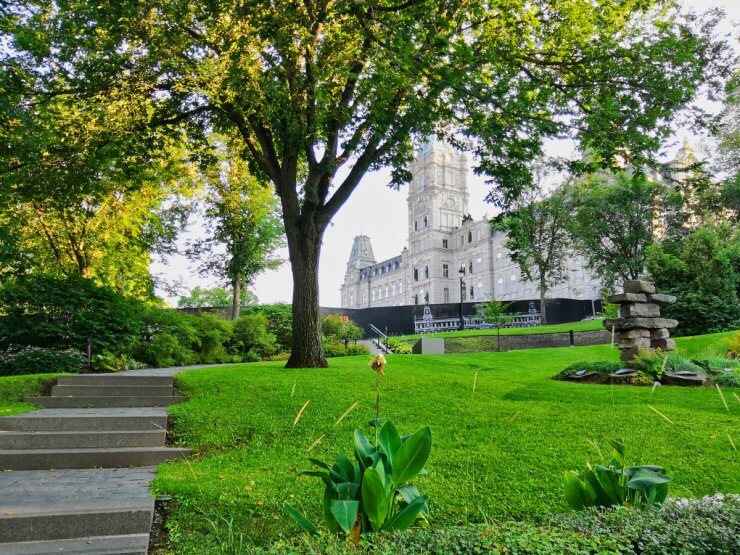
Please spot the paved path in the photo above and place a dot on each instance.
(75, 476)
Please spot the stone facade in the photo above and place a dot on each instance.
(446, 245)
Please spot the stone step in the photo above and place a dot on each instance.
(38, 505)
(104, 401)
(112, 390)
(84, 419)
(132, 544)
(112, 379)
(81, 439)
(121, 457)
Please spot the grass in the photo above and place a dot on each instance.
(499, 451)
(14, 388)
(584, 325)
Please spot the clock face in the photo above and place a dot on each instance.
(451, 201)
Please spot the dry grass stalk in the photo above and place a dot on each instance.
(660, 414)
(300, 413)
(475, 380)
(719, 390)
(350, 409)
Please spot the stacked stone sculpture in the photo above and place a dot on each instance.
(640, 325)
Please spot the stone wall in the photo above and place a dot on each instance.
(483, 343)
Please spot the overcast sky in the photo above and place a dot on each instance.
(376, 211)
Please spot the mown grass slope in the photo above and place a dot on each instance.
(499, 452)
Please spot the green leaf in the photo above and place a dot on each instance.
(577, 494)
(409, 493)
(643, 479)
(390, 440)
(406, 517)
(318, 474)
(320, 464)
(363, 449)
(411, 456)
(303, 522)
(375, 501)
(331, 522)
(343, 470)
(346, 513)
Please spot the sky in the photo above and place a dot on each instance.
(377, 211)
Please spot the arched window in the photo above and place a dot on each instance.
(416, 274)
(426, 272)
(470, 236)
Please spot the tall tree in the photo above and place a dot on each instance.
(617, 216)
(215, 297)
(242, 219)
(538, 240)
(319, 92)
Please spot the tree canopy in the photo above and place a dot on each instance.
(319, 92)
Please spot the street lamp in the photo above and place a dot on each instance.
(462, 292)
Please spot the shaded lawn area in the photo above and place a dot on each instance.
(499, 452)
(585, 325)
(14, 388)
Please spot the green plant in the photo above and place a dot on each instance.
(398, 346)
(250, 333)
(39, 360)
(638, 487)
(716, 364)
(733, 349)
(677, 363)
(355, 350)
(649, 363)
(339, 327)
(600, 366)
(375, 493)
(728, 379)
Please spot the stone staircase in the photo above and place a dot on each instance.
(76, 473)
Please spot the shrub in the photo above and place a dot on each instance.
(250, 334)
(638, 487)
(355, 350)
(733, 348)
(39, 360)
(339, 327)
(375, 493)
(398, 346)
(279, 322)
(62, 313)
(109, 362)
(649, 363)
(729, 379)
(677, 363)
(600, 366)
(334, 348)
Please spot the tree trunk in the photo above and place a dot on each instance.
(236, 298)
(543, 305)
(304, 246)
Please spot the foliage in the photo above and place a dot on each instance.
(716, 364)
(516, 413)
(610, 310)
(538, 239)
(39, 360)
(279, 322)
(334, 348)
(703, 271)
(687, 526)
(308, 91)
(340, 328)
(677, 363)
(62, 313)
(649, 363)
(213, 297)
(110, 362)
(399, 346)
(250, 334)
(242, 218)
(614, 222)
(733, 346)
(634, 487)
(600, 366)
(496, 313)
(375, 493)
(728, 379)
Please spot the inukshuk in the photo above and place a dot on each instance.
(640, 325)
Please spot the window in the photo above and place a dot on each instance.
(478, 264)
(400, 288)
(472, 292)
(462, 268)
(445, 270)
(416, 225)
(471, 266)
(513, 277)
(416, 299)
(444, 243)
(447, 294)
(373, 298)
(480, 285)
(416, 274)
(500, 281)
(426, 272)
(426, 297)
(470, 236)
(426, 222)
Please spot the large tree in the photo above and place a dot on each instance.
(242, 229)
(319, 92)
(538, 240)
(617, 216)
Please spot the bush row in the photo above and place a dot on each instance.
(686, 526)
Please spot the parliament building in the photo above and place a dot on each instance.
(449, 256)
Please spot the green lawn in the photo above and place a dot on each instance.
(14, 388)
(585, 325)
(499, 452)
